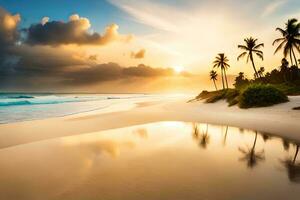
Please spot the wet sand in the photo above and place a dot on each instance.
(279, 120)
(162, 160)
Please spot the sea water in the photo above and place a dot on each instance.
(16, 107)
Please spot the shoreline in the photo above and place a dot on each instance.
(279, 120)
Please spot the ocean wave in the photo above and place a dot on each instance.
(26, 99)
(42, 102)
(15, 103)
(22, 97)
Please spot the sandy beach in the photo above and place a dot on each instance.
(279, 120)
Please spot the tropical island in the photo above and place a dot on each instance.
(266, 88)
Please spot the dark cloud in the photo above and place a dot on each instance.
(43, 66)
(74, 31)
(113, 71)
(138, 55)
(147, 71)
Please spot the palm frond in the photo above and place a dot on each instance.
(278, 40)
(241, 55)
(248, 57)
(258, 46)
(283, 32)
(243, 47)
(258, 51)
(279, 47)
(260, 56)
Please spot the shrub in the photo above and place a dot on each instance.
(232, 97)
(258, 95)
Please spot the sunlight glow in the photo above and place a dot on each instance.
(178, 69)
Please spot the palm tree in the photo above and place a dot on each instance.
(290, 39)
(261, 71)
(221, 61)
(213, 76)
(249, 49)
(251, 156)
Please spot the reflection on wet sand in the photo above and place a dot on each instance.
(141, 132)
(250, 155)
(153, 161)
(203, 137)
(293, 167)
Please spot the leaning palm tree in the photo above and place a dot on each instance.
(250, 49)
(213, 76)
(290, 40)
(221, 61)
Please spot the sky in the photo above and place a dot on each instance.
(113, 45)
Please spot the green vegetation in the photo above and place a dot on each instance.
(230, 95)
(259, 95)
(266, 88)
(255, 95)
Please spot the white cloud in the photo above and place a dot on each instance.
(273, 7)
(45, 20)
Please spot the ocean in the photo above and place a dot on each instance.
(15, 107)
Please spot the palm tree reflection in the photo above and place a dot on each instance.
(225, 136)
(266, 136)
(203, 138)
(195, 131)
(251, 156)
(293, 167)
(286, 144)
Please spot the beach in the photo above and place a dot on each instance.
(153, 147)
(278, 120)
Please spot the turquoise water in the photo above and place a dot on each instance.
(16, 107)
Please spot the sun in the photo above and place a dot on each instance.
(178, 69)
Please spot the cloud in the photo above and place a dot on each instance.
(93, 57)
(138, 55)
(45, 20)
(112, 72)
(75, 31)
(39, 62)
(272, 7)
(142, 11)
(8, 27)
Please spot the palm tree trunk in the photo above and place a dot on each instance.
(251, 58)
(215, 85)
(254, 143)
(294, 57)
(295, 157)
(222, 79)
(292, 63)
(225, 78)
